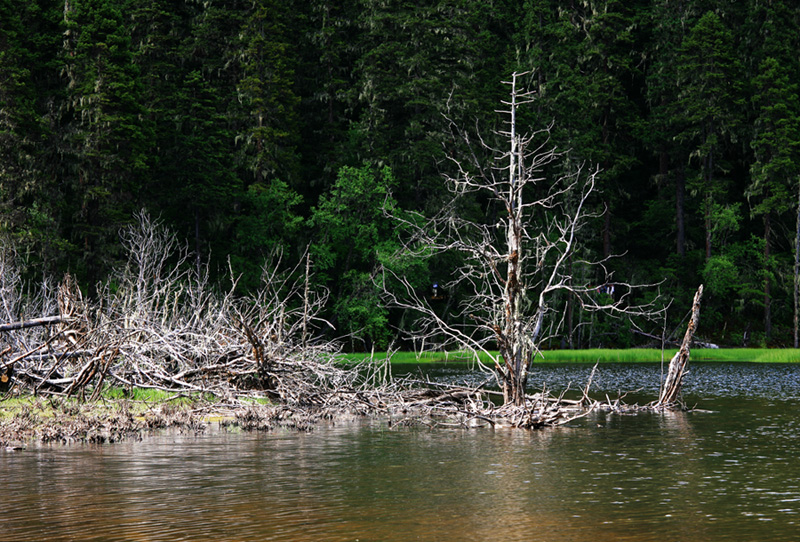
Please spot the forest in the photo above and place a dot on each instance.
(262, 127)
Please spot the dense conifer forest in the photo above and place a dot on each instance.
(256, 126)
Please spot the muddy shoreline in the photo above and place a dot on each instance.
(38, 420)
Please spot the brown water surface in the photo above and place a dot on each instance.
(728, 474)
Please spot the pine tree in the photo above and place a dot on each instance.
(771, 38)
(710, 104)
(777, 150)
(268, 126)
(589, 57)
(418, 63)
(18, 126)
(329, 47)
(106, 138)
(30, 90)
(669, 24)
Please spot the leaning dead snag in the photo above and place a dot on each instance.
(677, 366)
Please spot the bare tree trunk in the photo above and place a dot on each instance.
(679, 362)
(570, 310)
(304, 334)
(709, 179)
(517, 265)
(707, 222)
(197, 260)
(607, 229)
(515, 345)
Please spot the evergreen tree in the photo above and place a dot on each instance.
(777, 150)
(328, 51)
(351, 232)
(418, 63)
(589, 57)
(668, 21)
(268, 131)
(29, 154)
(194, 104)
(18, 124)
(711, 103)
(105, 137)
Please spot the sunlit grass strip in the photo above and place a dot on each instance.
(644, 355)
(181, 397)
(757, 355)
(603, 355)
(138, 401)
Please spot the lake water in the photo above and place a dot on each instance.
(729, 472)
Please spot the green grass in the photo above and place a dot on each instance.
(154, 396)
(142, 394)
(758, 355)
(630, 355)
(136, 401)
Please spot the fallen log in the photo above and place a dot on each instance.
(44, 321)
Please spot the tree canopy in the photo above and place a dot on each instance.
(258, 126)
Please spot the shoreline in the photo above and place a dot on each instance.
(132, 414)
(26, 420)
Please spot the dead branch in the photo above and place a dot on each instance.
(677, 366)
(43, 321)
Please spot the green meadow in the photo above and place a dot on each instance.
(602, 355)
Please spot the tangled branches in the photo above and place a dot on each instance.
(159, 324)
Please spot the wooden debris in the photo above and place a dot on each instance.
(677, 366)
(44, 321)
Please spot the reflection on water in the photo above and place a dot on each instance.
(728, 474)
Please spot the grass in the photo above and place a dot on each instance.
(136, 400)
(51, 407)
(602, 355)
(155, 396)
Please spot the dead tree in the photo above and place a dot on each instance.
(513, 268)
(671, 388)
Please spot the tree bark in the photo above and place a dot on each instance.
(517, 351)
(707, 221)
(607, 229)
(709, 174)
(677, 366)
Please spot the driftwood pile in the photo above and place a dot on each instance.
(160, 325)
(222, 346)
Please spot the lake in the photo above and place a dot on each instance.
(726, 472)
